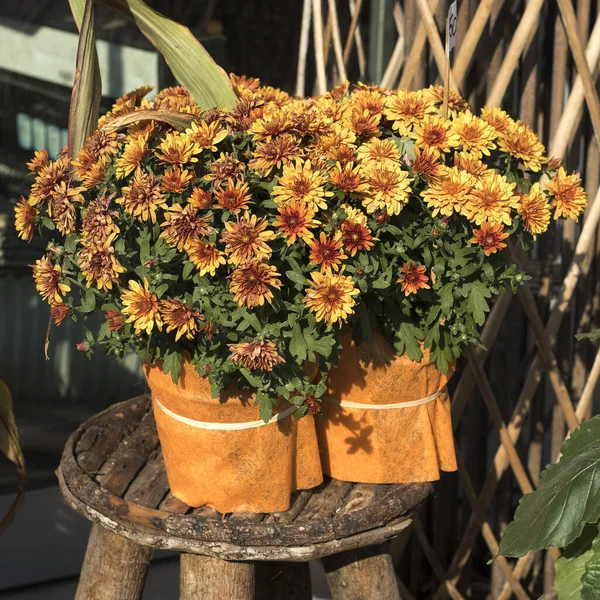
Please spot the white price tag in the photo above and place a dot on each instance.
(452, 25)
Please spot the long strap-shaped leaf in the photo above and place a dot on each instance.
(191, 64)
(87, 87)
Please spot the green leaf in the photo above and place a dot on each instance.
(298, 343)
(252, 320)
(567, 498)
(408, 335)
(87, 87)
(191, 65)
(591, 578)
(381, 284)
(446, 298)
(88, 302)
(172, 364)
(570, 567)
(265, 409)
(477, 301)
(11, 448)
(296, 277)
(592, 335)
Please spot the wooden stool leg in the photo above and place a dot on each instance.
(207, 578)
(114, 568)
(283, 581)
(365, 574)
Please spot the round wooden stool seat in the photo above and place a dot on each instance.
(112, 473)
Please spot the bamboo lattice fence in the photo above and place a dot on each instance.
(513, 404)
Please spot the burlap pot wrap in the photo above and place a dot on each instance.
(218, 452)
(386, 443)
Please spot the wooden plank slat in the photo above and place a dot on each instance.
(151, 485)
(129, 457)
(324, 500)
(110, 427)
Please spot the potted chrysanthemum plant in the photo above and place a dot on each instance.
(242, 251)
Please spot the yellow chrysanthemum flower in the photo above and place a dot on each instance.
(406, 109)
(388, 188)
(476, 136)
(301, 182)
(449, 192)
(568, 197)
(534, 210)
(520, 141)
(330, 297)
(491, 199)
(435, 132)
(142, 307)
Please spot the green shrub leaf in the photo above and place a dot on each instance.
(590, 589)
(567, 498)
(570, 567)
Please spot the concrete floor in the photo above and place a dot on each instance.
(162, 584)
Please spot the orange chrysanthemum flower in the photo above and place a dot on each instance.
(114, 319)
(497, 118)
(59, 313)
(327, 252)
(295, 220)
(134, 152)
(491, 199)
(206, 257)
(378, 151)
(413, 278)
(180, 318)
(142, 197)
(247, 239)
(271, 125)
(97, 223)
(435, 132)
(534, 210)
(234, 197)
(48, 283)
(276, 152)
(427, 164)
(356, 236)
(301, 182)
(476, 136)
(256, 355)
(456, 103)
(142, 307)
(489, 237)
(364, 123)
(405, 109)
(175, 180)
(62, 206)
(470, 163)
(99, 265)
(568, 197)
(388, 188)
(348, 178)
(369, 100)
(206, 136)
(252, 281)
(47, 178)
(177, 149)
(182, 225)
(200, 199)
(39, 161)
(92, 172)
(226, 167)
(448, 193)
(522, 143)
(25, 219)
(104, 143)
(343, 154)
(330, 297)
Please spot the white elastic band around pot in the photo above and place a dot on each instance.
(419, 402)
(225, 426)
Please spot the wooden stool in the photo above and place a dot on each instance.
(112, 473)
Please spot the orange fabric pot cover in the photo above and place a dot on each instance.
(251, 470)
(395, 445)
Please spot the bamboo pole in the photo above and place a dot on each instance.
(572, 114)
(318, 43)
(303, 50)
(587, 395)
(437, 48)
(520, 40)
(395, 63)
(414, 56)
(337, 42)
(466, 52)
(591, 95)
